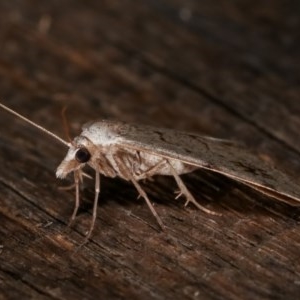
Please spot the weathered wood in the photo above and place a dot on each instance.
(226, 70)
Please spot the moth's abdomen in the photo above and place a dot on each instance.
(148, 165)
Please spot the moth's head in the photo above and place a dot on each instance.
(81, 152)
(86, 148)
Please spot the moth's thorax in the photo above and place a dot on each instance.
(103, 132)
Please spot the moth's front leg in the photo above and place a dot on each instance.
(77, 180)
(95, 205)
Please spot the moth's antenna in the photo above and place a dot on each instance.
(65, 123)
(34, 124)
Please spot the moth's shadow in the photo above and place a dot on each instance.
(214, 191)
(225, 194)
(111, 190)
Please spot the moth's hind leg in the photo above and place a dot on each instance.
(184, 191)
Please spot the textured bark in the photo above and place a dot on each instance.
(225, 70)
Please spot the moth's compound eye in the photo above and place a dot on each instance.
(82, 155)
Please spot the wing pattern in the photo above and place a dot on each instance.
(220, 156)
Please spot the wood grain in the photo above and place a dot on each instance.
(228, 70)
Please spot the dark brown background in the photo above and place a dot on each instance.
(223, 68)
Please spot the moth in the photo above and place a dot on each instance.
(135, 152)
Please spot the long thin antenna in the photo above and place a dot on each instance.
(65, 123)
(34, 124)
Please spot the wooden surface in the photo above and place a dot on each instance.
(228, 69)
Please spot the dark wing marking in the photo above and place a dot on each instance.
(217, 155)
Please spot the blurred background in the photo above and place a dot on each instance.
(227, 69)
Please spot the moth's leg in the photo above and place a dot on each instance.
(68, 187)
(77, 178)
(184, 191)
(86, 175)
(73, 185)
(95, 205)
(151, 171)
(128, 174)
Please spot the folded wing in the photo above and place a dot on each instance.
(220, 156)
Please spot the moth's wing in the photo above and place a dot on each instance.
(221, 156)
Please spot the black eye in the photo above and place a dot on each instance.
(82, 155)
